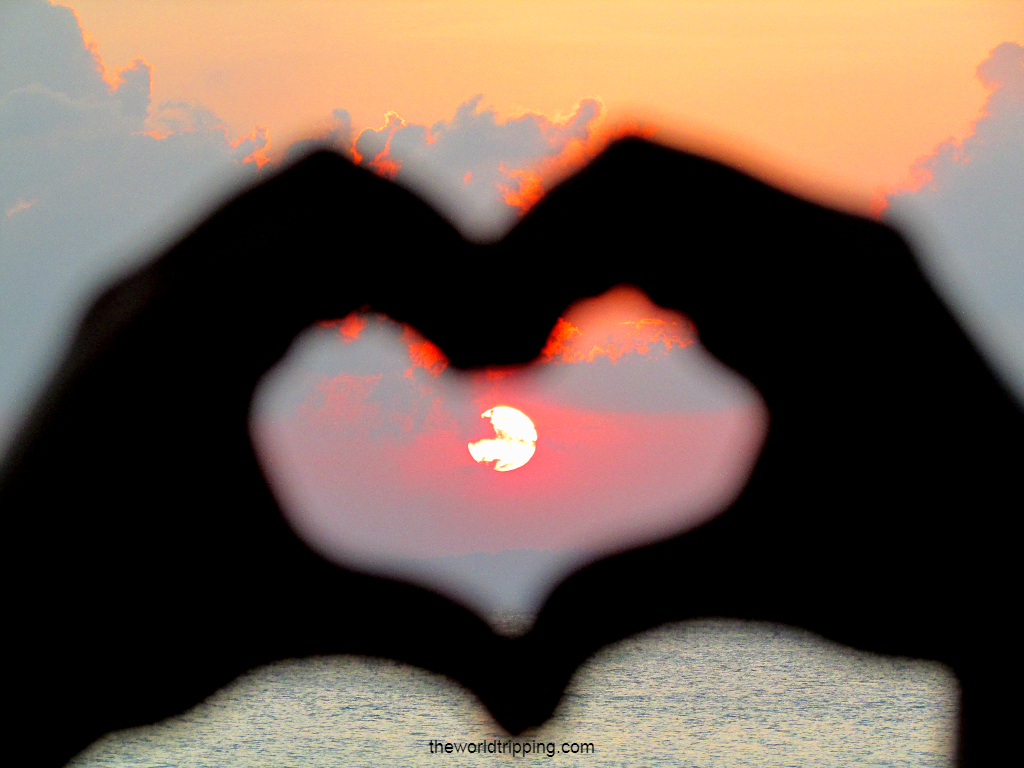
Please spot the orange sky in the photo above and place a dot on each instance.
(831, 97)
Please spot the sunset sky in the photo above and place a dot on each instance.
(843, 96)
(122, 121)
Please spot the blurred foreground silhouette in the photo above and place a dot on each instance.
(149, 564)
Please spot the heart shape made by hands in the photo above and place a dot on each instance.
(150, 564)
(367, 438)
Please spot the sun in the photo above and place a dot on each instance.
(515, 443)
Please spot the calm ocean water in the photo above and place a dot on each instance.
(713, 693)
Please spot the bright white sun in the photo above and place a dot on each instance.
(515, 443)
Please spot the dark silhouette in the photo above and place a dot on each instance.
(148, 563)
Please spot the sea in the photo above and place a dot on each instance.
(710, 693)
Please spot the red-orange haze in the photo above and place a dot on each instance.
(623, 321)
(376, 461)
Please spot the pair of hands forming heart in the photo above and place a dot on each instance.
(149, 563)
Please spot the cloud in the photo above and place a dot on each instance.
(134, 88)
(967, 214)
(615, 352)
(94, 176)
(479, 171)
(621, 324)
(369, 378)
(40, 43)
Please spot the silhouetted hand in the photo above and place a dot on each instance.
(879, 513)
(147, 561)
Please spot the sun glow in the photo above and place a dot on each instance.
(515, 443)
